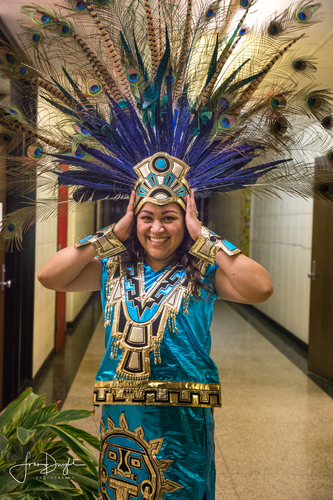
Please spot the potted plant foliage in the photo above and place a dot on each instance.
(42, 456)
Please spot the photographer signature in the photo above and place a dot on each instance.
(49, 466)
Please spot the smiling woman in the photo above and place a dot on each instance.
(159, 271)
(160, 230)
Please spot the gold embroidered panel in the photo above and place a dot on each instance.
(159, 392)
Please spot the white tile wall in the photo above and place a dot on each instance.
(45, 300)
(280, 240)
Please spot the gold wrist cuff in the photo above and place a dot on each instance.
(104, 242)
(208, 244)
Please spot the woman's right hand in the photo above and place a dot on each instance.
(123, 228)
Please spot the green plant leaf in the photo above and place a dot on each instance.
(81, 434)
(31, 404)
(88, 495)
(63, 416)
(7, 414)
(38, 415)
(56, 483)
(4, 466)
(24, 435)
(80, 450)
(3, 442)
(8, 484)
(84, 480)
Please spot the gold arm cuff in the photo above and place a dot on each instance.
(208, 244)
(158, 392)
(105, 243)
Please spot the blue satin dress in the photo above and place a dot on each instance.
(164, 450)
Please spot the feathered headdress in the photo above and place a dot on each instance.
(161, 97)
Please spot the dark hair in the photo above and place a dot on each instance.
(135, 252)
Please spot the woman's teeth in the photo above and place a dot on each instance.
(158, 240)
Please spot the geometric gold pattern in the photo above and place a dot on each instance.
(159, 392)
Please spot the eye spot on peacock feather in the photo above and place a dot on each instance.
(280, 126)
(9, 230)
(278, 102)
(79, 5)
(80, 130)
(41, 18)
(245, 3)
(303, 16)
(34, 38)
(79, 153)
(243, 31)
(94, 87)
(35, 152)
(10, 58)
(166, 79)
(5, 140)
(132, 75)
(211, 11)
(327, 122)
(224, 103)
(274, 28)
(228, 121)
(64, 30)
(21, 70)
(300, 65)
(14, 112)
(314, 102)
(326, 190)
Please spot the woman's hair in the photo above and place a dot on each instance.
(135, 252)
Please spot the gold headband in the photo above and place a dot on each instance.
(161, 180)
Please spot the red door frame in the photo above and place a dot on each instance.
(62, 243)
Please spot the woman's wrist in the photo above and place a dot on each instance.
(209, 243)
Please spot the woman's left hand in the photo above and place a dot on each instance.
(192, 222)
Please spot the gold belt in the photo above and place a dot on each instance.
(158, 392)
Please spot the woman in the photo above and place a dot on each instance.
(156, 381)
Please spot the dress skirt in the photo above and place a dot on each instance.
(157, 453)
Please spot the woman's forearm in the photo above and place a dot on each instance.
(65, 266)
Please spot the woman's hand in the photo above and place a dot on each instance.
(123, 228)
(192, 222)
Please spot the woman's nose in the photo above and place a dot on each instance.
(157, 226)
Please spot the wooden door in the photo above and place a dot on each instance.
(320, 359)
(2, 293)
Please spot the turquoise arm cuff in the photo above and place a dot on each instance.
(104, 242)
(208, 244)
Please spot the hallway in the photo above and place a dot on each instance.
(274, 432)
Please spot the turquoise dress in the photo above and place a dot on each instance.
(158, 438)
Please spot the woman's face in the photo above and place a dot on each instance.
(160, 231)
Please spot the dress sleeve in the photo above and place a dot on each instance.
(208, 279)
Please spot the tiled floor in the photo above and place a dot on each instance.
(274, 433)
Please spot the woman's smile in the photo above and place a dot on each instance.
(160, 230)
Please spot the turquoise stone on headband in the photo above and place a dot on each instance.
(160, 163)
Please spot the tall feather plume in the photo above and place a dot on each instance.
(121, 81)
(151, 37)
